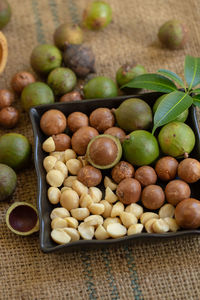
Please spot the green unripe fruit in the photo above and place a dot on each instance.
(181, 118)
(5, 13)
(141, 148)
(100, 87)
(68, 34)
(36, 93)
(61, 80)
(176, 139)
(97, 15)
(8, 182)
(45, 58)
(126, 73)
(173, 34)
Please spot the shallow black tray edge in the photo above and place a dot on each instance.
(41, 178)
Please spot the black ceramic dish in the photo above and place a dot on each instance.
(45, 207)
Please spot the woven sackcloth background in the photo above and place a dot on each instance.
(147, 270)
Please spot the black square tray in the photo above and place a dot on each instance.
(45, 207)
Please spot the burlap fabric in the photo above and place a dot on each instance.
(148, 270)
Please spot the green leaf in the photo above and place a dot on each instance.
(196, 100)
(196, 91)
(171, 107)
(153, 82)
(172, 76)
(192, 71)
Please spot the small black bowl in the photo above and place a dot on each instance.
(45, 207)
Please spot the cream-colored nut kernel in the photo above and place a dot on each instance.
(69, 199)
(83, 160)
(116, 230)
(147, 216)
(94, 220)
(65, 188)
(73, 233)
(160, 226)
(54, 195)
(69, 154)
(117, 209)
(59, 212)
(135, 209)
(95, 193)
(49, 162)
(111, 221)
(60, 155)
(79, 187)
(135, 229)
(49, 145)
(73, 165)
(80, 213)
(101, 233)
(173, 226)
(166, 210)
(128, 219)
(107, 208)
(108, 182)
(59, 165)
(71, 222)
(58, 223)
(55, 178)
(85, 200)
(86, 231)
(110, 196)
(96, 208)
(149, 225)
(69, 180)
(60, 237)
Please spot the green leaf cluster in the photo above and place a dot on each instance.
(165, 81)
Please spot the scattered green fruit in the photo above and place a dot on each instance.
(36, 93)
(173, 34)
(134, 114)
(8, 182)
(45, 58)
(176, 139)
(181, 118)
(127, 72)
(104, 151)
(61, 80)
(68, 34)
(97, 15)
(100, 87)
(141, 148)
(5, 13)
(15, 150)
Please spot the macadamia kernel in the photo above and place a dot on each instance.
(111, 221)
(149, 225)
(79, 187)
(147, 216)
(49, 162)
(95, 194)
(71, 222)
(85, 200)
(116, 230)
(49, 145)
(110, 196)
(107, 208)
(108, 182)
(160, 226)
(69, 154)
(54, 195)
(128, 219)
(59, 212)
(96, 208)
(58, 223)
(135, 209)
(55, 178)
(69, 199)
(69, 180)
(73, 165)
(135, 229)
(117, 209)
(60, 155)
(101, 233)
(86, 231)
(173, 226)
(166, 210)
(73, 233)
(59, 165)
(94, 220)
(60, 237)
(80, 213)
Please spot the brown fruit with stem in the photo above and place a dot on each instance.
(121, 171)
(176, 191)
(146, 175)
(187, 213)
(129, 191)
(189, 170)
(166, 168)
(102, 118)
(153, 197)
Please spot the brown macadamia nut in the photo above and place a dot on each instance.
(121, 171)
(6, 98)
(77, 120)
(176, 191)
(89, 176)
(81, 139)
(53, 121)
(102, 119)
(20, 80)
(62, 142)
(153, 197)
(187, 213)
(146, 175)
(117, 132)
(129, 191)
(189, 170)
(9, 117)
(166, 168)
(72, 96)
